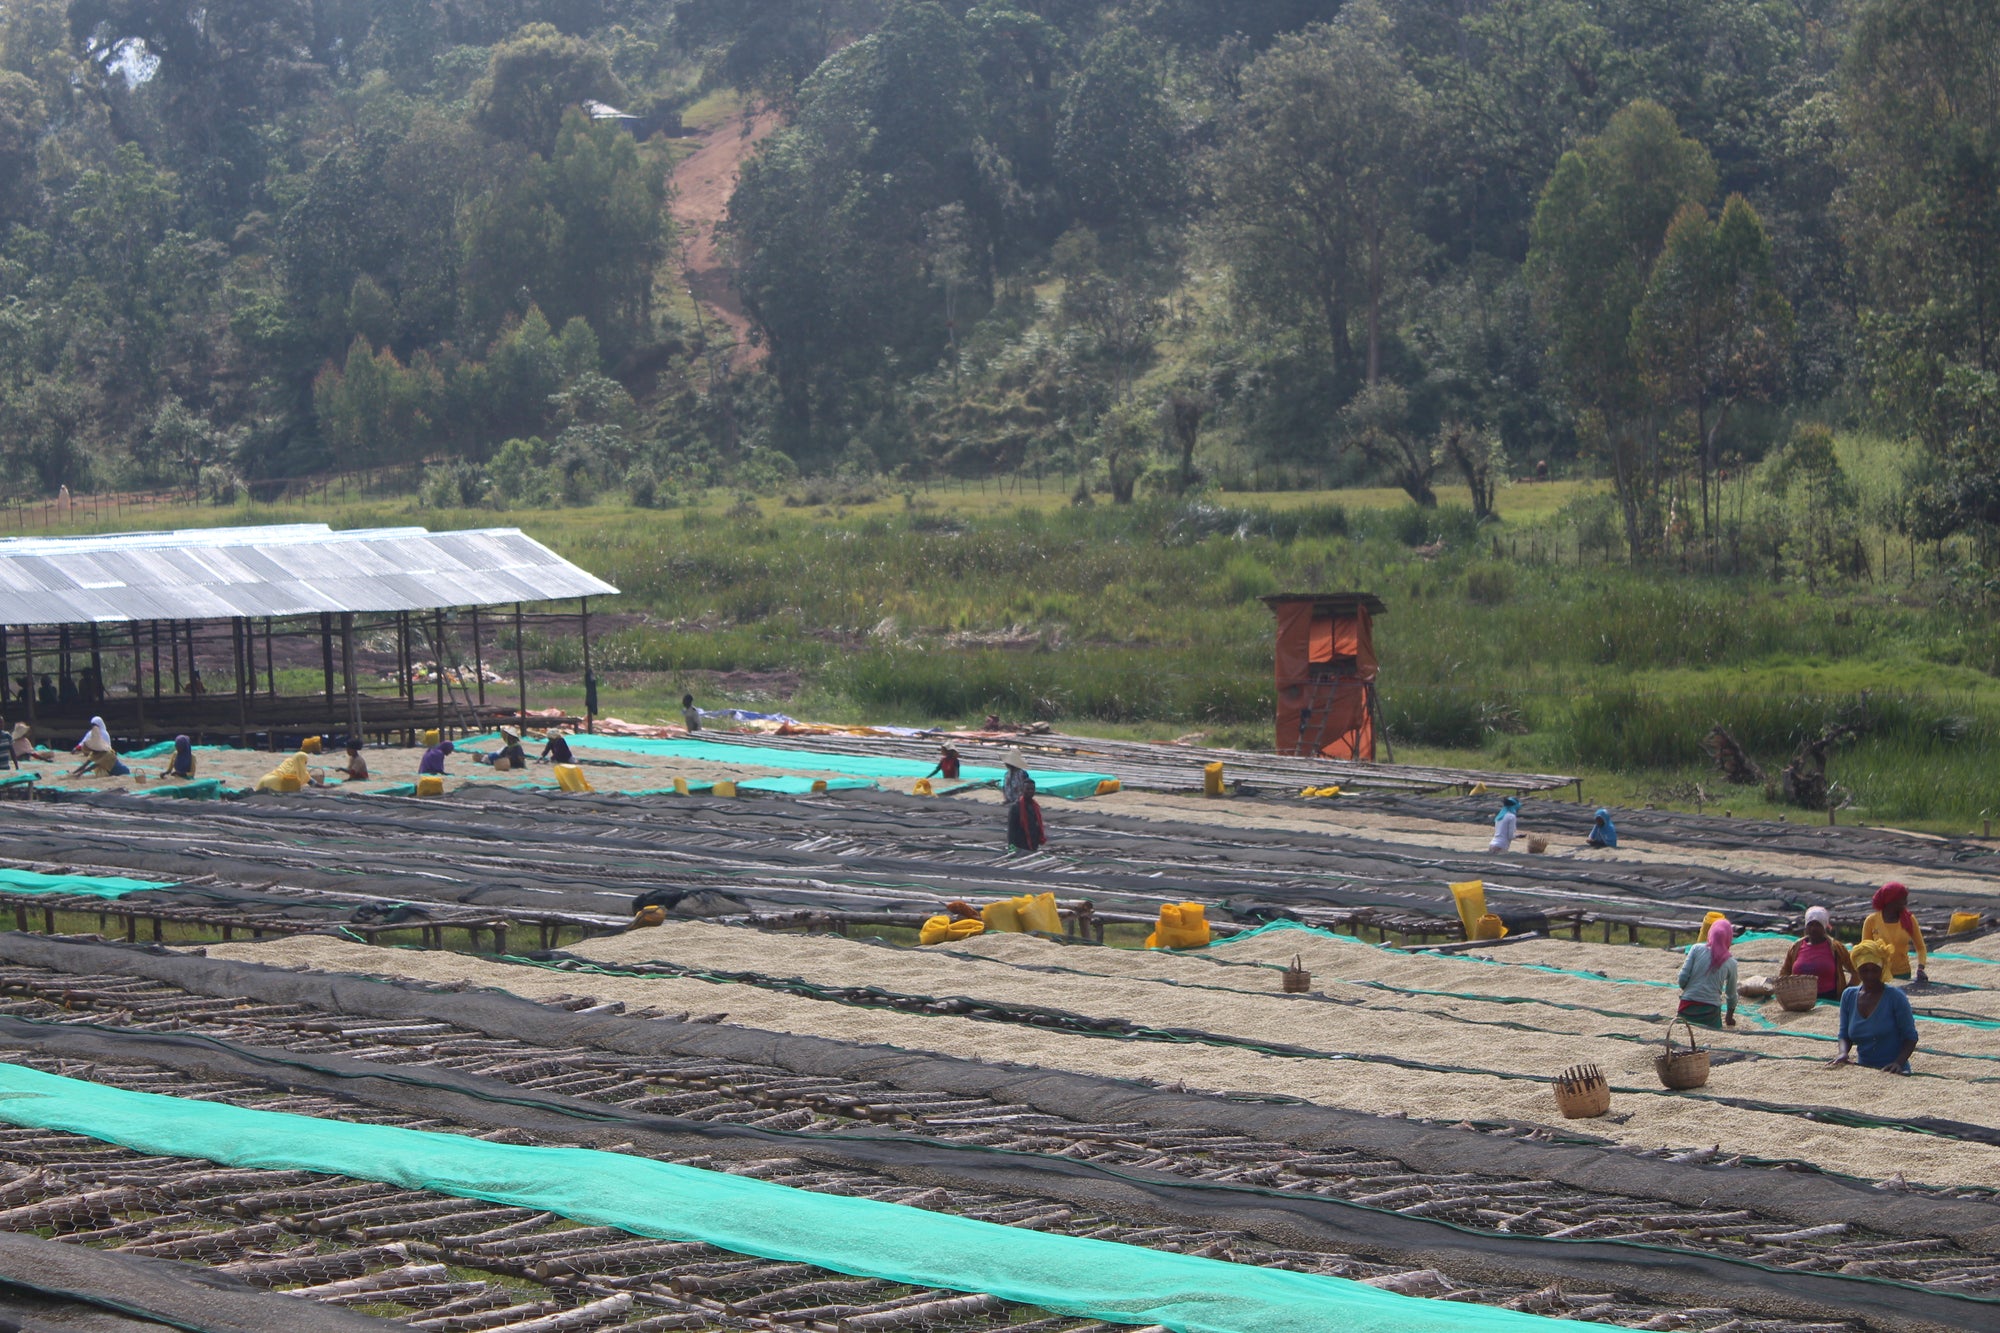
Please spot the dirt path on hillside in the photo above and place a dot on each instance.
(702, 187)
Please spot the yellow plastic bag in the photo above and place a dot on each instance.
(1181, 926)
(725, 788)
(680, 786)
(942, 929)
(1211, 779)
(1319, 791)
(1004, 915)
(1039, 913)
(1107, 786)
(1470, 896)
(570, 778)
(1489, 928)
(1964, 921)
(310, 745)
(430, 784)
(923, 788)
(652, 914)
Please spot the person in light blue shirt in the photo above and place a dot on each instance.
(1708, 980)
(1877, 1027)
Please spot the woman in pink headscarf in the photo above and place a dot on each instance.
(1708, 980)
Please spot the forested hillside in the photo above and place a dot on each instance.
(1126, 247)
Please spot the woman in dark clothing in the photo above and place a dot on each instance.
(1025, 831)
(510, 756)
(556, 749)
(182, 763)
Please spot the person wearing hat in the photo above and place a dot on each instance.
(510, 757)
(1025, 831)
(1896, 930)
(947, 764)
(555, 748)
(1817, 953)
(1505, 825)
(25, 748)
(1877, 1027)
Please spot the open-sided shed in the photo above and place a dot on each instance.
(122, 625)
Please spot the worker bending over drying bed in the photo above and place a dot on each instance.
(947, 764)
(1025, 831)
(1708, 980)
(1818, 954)
(1892, 926)
(1877, 1028)
(357, 767)
(181, 763)
(510, 756)
(292, 775)
(99, 755)
(432, 764)
(1505, 825)
(555, 748)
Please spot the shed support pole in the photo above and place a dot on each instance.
(589, 680)
(238, 635)
(138, 679)
(437, 648)
(270, 671)
(174, 645)
(347, 672)
(521, 661)
(478, 658)
(96, 664)
(326, 663)
(155, 633)
(28, 666)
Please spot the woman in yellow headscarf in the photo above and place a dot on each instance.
(291, 775)
(1877, 1028)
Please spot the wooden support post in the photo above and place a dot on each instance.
(270, 671)
(521, 662)
(238, 635)
(138, 680)
(478, 658)
(28, 666)
(326, 663)
(96, 666)
(347, 671)
(405, 689)
(589, 680)
(194, 672)
(155, 631)
(437, 649)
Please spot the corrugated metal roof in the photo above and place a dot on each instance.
(289, 570)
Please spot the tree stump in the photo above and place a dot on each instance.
(1731, 759)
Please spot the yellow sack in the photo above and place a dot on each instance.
(1181, 926)
(1964, 921)
(431, 737)
(1039, 913)
(310, 745)
(942, 930)
(725, 788)
(1319, 791)
(1471, 899)
(923, 788)
(1489, 928)
(1211, 779)
(1107, 786)
(429, 784)
(652, 914)
(570, 778)
(1004, 915)
(680, 786)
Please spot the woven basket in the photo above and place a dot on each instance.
(1681, 1068)
(1582, 1093)
(1297, 980)
(1797, 993)
(1537, 845)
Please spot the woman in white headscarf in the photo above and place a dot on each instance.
(98, 753)
(1819, 954)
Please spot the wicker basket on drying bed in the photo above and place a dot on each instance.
(1297, 980)
(1682, 1067)
(1797, 993)
(1582, 1093)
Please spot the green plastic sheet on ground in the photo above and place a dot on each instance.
(91, 886)
(200, 789)
(1048, 782)
(1090, 1279)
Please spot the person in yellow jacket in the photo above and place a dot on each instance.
(291, 775)
(1892, 925)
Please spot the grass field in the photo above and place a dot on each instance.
(1503, 645)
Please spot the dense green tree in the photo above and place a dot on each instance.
(536, 76)
(1118, 145)
(1598, 230)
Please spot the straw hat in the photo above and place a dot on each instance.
(509, 734)
(1015, 759)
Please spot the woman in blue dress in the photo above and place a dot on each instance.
(1877, 1028)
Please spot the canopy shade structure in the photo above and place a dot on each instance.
(290, 570)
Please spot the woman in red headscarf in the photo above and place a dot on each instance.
(1892, 925)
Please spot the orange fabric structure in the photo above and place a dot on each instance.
(1326, 671)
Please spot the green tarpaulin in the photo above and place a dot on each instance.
(1091, 1279)
(1048, 782)
(94, 886)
